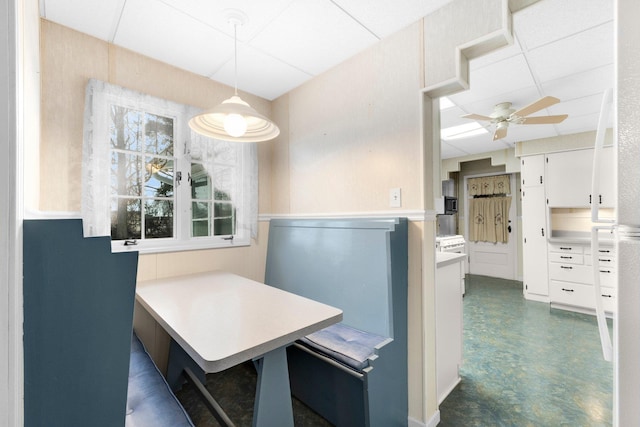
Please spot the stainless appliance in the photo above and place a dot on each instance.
(450, 205)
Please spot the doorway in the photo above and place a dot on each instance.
(495, 257)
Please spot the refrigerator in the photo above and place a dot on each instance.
(626, 106)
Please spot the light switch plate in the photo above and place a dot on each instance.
(395, 198)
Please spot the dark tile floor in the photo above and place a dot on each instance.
(524, 365)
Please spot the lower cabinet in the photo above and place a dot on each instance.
(571, 277)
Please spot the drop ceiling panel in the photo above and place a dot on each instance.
(496, 56)
(551, 20)
(215, 14)
(579, 124)
(260, 74)
(594, 81)
(172, 37)
(447, 151)
(587, 50)
(450, 117)
(384, 17)
(94, 17)
(579, 107)
(313, 35)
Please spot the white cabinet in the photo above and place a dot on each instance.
(534, 228)
(568, 177)
(571, 276)
(449, 284)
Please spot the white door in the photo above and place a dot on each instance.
(494, 259)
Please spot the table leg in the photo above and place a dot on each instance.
(273, 407)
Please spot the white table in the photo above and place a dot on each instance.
(219, 319)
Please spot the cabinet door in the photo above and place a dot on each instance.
(569, 178)
(607, 196)
(532, 170)
(534, 244)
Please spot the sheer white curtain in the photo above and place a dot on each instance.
(96, 172)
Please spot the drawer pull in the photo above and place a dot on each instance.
(567, 290)
(565, 257)
(604, 260)
(605, 271)
(566, 267)
(607, 296)
(565, 249)
(604, 251)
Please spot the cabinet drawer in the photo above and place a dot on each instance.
(570, 272)
(568, 258)
(566, 248)
(581, 274)
(574, 294)
(606, 250)
(579, 295)
(603, 260)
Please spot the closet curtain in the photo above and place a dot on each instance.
(489, 219)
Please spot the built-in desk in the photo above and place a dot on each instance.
(217, 320)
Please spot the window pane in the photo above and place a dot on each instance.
(200, 210)
(126, 174)
(158, 134)
(158, 219)
(223, 183)
(158, 177)
(125, 128)
(200, 228)
(125, 219)
(200, 183)
(224, 223)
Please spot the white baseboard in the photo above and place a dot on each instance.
(433, 422)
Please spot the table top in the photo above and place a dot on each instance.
(221, 319)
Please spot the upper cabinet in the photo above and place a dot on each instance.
(569, 179)
(532, 171)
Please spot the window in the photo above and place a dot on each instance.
(153, 184)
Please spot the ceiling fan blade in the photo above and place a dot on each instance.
(500, 133)
(542, 120)
(541, 103)
(476, 117)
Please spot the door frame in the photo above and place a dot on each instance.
(513, 238)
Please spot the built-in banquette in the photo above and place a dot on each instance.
(353, 373)
(82, 365)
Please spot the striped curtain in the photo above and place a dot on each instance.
(489, 219)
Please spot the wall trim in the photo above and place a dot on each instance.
(433, 421)
(411, 215)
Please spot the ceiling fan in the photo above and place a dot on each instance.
(503, 115)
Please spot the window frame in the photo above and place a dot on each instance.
(101, 102)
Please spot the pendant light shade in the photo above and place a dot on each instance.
(234, 119)
(227, 120)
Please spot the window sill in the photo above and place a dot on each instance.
(174, 246)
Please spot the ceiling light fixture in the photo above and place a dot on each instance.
(234, 119)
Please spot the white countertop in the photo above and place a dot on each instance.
(446, 258)
(221, 319)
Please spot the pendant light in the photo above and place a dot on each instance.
(234, 119)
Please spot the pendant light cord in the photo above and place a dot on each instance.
(235, 57)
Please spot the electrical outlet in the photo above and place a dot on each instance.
(395, 198)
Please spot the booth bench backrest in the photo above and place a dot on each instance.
(357, 265)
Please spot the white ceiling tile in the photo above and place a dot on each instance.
(518, 99)
(383, 17)
(313, 35)
(575, 86)
(447, 151)
(579, 107)
(260, 74)
(172, 37)
(98, 18)
(215, 13)
(550, 20)
(580, 124)
(529, 132)
(587, 50)
(450, 117)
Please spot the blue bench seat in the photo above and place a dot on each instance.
(345, 344)
(150, 401)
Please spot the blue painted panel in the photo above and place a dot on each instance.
(78, 316)
(343, 263)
